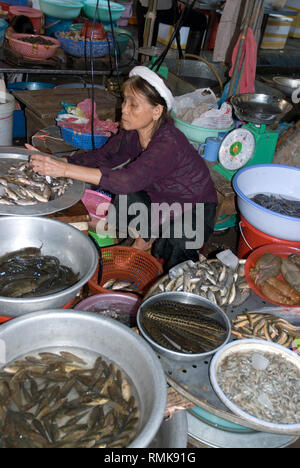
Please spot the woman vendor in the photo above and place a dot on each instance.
(151, 162)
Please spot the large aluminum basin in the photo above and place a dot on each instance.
(90, 333)
(68, 244)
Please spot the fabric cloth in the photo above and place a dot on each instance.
(249, 53)
(230, 27)
(152, 78)
(169, 170)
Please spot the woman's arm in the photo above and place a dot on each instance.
(118, 150)
(47, 166)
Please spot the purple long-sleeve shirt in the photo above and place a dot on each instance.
(169, 170)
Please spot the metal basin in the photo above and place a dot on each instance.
(88, 333)
(196, 72)
(259, 108)
(58, 239)
(184, 298)
(286, 85)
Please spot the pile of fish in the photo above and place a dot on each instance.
(28, 273)
(263, 384)
(279, 204)
(119, 285)
(265, 326)
(54, 400)
(184, 328)
(210, 279)
(24, 187)
(278, 278)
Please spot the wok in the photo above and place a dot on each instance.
(286, 85)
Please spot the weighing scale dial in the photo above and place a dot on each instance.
(237, 149)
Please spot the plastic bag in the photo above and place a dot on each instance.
(194, 99)
(216, 118)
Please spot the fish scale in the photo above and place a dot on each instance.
(155, 333)
(186, 345)
(189, 340)
(179, 306)
(185, 320)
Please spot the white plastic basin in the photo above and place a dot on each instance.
(271, 179)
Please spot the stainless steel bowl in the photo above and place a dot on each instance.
(184, 298)
(69, 245)
(89, 333)
(259, 108)
(286, 85)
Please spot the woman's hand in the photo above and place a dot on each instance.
(47, 166)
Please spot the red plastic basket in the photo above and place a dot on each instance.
(5, 318)
(282, 251)
(126, 264)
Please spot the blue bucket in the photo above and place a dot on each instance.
(53, 24)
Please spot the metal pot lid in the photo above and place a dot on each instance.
(74, 192)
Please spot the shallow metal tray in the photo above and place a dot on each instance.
(202, 435)
(72, 195)
(193, 382)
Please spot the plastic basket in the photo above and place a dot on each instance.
(35, 16)
(102, 241)
(82, 140)
(281, 250)
(126, 264)
(83, 48)
(53, 24)
(96, 203)
(102, 14)
(121, 307)
(197, 134)
(36, 51)
(16, 2)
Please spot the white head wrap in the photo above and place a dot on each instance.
(156, 82)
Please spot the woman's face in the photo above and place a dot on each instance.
(137, 113)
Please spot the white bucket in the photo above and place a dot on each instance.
(276, 32)
(6, 120)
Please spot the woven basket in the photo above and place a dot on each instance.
(82, 140)
(33, 51)
(83, 48)
(126, 264)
